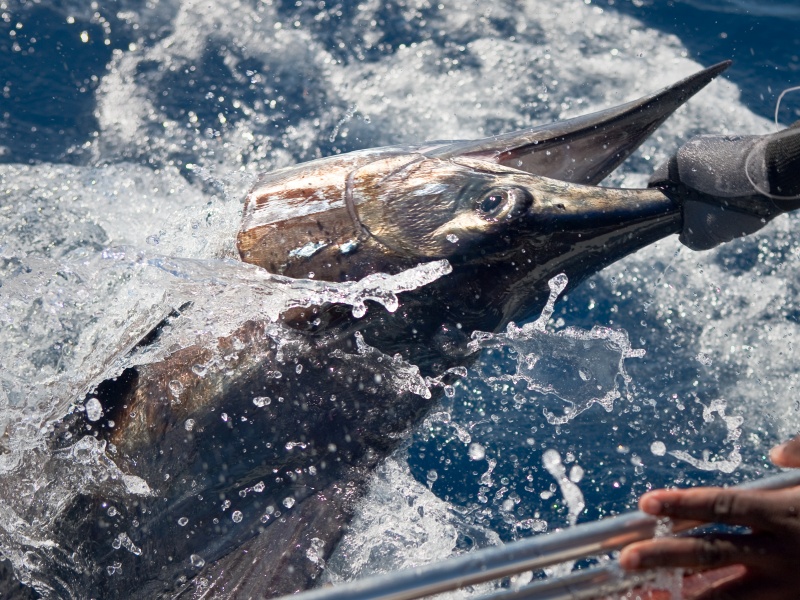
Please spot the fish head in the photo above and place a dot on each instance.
(507, 211)
(504, 231)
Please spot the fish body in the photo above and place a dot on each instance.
(257, 448)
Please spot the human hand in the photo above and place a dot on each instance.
(769, 556)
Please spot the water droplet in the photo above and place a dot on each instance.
(658, 448)
(197, 561)
(704, 359)
(224, 417)
(123, 541)
(183, 521)
(299, 369)
(94, 410)
(288, 502)
(431, 477)
(136, 485)
(189, 424)
(175, 388)
(452, 238)
(476, 451)
(237, 516)
(316, 551)
(261, 401)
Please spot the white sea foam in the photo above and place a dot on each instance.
(404, 515)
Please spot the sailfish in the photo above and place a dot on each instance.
(507, 213)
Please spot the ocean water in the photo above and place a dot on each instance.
(140, 125)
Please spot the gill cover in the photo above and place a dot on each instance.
(432, 208)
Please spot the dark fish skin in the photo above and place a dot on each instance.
(340, 428)
(267, 490)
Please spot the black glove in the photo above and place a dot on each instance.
(731, 186)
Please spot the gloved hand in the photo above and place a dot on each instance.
(731, 186)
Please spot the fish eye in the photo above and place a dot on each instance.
(502, 203)
(490, 203)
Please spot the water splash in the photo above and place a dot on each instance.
(391, 371)
(573, 497)
(274, 294)
(443, 419)
(710, 462)
(580, 367)
(402, 524)
(92, 310)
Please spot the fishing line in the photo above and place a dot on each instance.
(760, 148)
(778, 104)
(752, 167)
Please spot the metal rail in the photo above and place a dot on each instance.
(578, 585)
(588, 539)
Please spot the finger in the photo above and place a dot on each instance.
(787, 454)
(698, 553)
(697, 584)
(749, 508)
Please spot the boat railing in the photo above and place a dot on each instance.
(596, 538)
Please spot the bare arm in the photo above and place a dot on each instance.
(770, 554)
